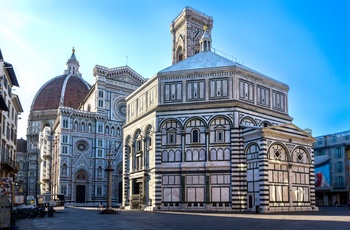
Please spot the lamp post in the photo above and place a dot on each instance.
(109, 170)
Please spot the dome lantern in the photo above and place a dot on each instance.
(72, 65)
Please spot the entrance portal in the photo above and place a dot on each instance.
(80, 194)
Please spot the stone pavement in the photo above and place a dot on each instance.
(88, 218)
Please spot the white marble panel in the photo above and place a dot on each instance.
(215, 194)
(165, 180)
(171, 156)
(285, 177)
(278, 193)
(191, 194)
(227, 179)
(250, 186)
(177, 156)
(280, 176)
(167, 194)
(188, 179)
(200, 194)
(220, 179)
(176, 194)
(177, 180)
(256, 186)
(213, 179)
(195, 155)
(250, 175)
(201, 180)
(272, 193)
(285, 193)
(171, 180)
(195, 179)
(225, 194)
(256, 174)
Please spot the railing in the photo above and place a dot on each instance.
(6, 159)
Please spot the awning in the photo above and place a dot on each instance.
(11, 72)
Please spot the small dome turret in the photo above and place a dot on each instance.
(205, 42)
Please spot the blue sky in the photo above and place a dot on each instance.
(304, 44)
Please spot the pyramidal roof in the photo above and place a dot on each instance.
(73, 58)
(209, 59)
(201, 60)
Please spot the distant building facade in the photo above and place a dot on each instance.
(332, 168)
(22, 174)
(10, 109)
(210, 134)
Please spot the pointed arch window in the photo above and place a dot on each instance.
(100, 128)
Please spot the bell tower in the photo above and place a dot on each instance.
(187, 29)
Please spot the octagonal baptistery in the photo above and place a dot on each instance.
(68, 90)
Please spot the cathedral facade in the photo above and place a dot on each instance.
(208, 133)
(74, 129)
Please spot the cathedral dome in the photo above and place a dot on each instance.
(68, 89)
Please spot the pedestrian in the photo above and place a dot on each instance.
(349, 205)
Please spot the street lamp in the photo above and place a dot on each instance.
(109, 170)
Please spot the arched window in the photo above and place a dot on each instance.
(107, 130)
(195, 136)
(248, 121)
(265, 124)
(253, 152)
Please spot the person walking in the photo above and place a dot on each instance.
(349, 205)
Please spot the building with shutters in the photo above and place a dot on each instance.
(10, 109)
(332, 169)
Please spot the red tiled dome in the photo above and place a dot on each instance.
(65, 90)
